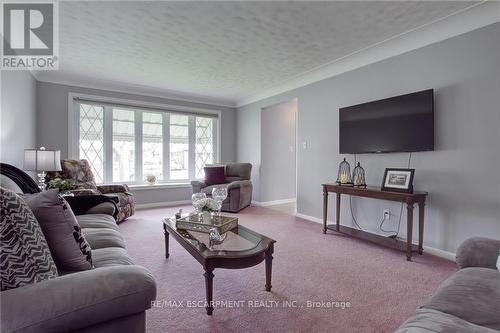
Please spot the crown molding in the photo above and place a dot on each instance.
(127, 88)
(471, 18)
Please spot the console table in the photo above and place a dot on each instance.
(375, 193)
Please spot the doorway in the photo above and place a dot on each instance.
(278, 170)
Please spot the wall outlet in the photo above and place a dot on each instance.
(387, 214)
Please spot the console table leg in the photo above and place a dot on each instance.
(209, 276)
(165, 232)
(409, 230)
(325, 209)
(337, 213)
(269, 267)
(421, 210)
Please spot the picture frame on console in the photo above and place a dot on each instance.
(398, 180)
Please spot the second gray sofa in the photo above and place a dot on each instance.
(467, 302)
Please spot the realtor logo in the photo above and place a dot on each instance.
(30, 36)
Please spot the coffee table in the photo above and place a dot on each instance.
(242, 248)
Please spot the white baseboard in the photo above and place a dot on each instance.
(440, 253)
(162, 204)
(274, 202)
(427, 249)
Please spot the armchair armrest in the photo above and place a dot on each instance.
(77, 300)
(82, 204)
(113, 188)
(239, 184)
(478, 252)
(198, 185)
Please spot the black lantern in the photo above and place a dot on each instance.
(344, 174)
(358, 176)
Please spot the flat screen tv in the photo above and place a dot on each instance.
(398, 124)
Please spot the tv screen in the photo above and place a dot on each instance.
(398, 124)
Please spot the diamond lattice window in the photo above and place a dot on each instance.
(92, 138)
(124, 144)
(204, 152)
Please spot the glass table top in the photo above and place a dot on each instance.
(237, 240)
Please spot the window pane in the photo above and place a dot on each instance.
(91, 138)
(204, 144)
(152, 144)
(123, 145)
(179, 147)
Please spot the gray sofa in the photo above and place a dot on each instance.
(239, 187)
(113, 297)
(467, 302)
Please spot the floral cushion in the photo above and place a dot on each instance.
(80, 172)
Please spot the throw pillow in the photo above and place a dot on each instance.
(70, 249)
(215, 175)
(25, 256)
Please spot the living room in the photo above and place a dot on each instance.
(188, 113)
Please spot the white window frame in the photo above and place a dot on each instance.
(140, 107)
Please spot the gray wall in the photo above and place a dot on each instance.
(18, 115)
(52, 101)
(277, 181)
(462, 175)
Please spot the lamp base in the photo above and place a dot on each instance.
(41, 181)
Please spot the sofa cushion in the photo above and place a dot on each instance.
(97, 221)
(208, 190)
(428, 320)
(472, 294)
(111, 256)
(214, 175)
(107, 208)
(99, 238)
(67, 244)
(25, 255)
(243, 171)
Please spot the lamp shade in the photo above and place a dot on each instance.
(42, 160)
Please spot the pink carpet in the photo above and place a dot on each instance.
(383, 289)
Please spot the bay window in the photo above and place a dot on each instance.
(126, 143)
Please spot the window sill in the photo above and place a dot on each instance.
(158, 186)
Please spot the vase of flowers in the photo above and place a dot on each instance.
(208, 208)
(151, 179)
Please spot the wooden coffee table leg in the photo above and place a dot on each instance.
(165, 232)
(269, 266)
(209, 276)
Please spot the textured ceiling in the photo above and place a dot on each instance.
(224, 50)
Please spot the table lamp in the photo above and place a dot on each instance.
(42, 160)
